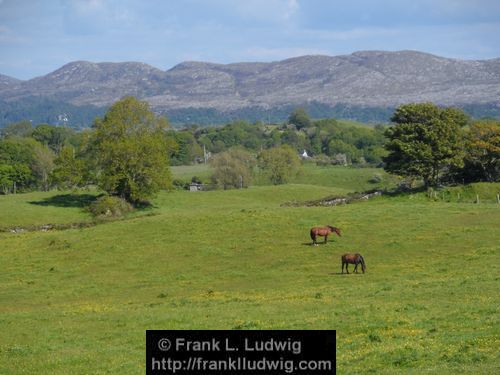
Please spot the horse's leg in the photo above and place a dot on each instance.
(356, 267)
(326, 237)
(343, 267)
(347, 267)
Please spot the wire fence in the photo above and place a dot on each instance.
(462, 197)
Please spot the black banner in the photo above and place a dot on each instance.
(240, 352)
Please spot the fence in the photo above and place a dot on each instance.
(462, 197)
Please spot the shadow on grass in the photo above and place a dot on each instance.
(318, 244)
(67, 200)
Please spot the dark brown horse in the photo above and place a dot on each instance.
(323, 232)
(353, 259)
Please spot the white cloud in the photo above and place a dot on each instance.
(292, 9)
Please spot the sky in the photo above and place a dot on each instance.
(39, 36)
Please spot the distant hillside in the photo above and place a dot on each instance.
(363, 86)
(7, 82)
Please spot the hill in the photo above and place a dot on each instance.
(364, 85)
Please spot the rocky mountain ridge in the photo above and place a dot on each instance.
(362, 79)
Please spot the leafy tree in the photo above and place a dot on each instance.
(70, 171)
(300, 118)
(279, 163)
(131, 150)
(484, 149)
(232, 168)
(53, 136)
(6, 178)
(18, 129)
(15, 150)
(19, 157)
(184, 147)
(14, 177)
(43, 164)
(294, 139)
(337, 146)
(424, 142)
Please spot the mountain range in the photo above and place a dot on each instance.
(365, 85)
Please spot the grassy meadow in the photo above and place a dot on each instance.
(79, 301)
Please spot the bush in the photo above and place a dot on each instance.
(108, 206)
(180, 184)
(375, 179)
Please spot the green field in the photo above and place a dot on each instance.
(79, 301)
(347, 179)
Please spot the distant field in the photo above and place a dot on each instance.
(347, 178)
(79, 301)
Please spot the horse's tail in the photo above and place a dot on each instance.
(363, 265)
(313, 235)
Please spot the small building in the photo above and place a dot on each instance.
(195, 186)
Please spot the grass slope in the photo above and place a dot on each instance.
(346, 178)
(79, 301)
(40, 208)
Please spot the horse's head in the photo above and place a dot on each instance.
(334, 230)
(363, 265)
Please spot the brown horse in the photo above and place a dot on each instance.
(324, 232)
(353, 259)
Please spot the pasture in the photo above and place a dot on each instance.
(79, 301)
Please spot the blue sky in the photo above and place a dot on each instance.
(39, 36)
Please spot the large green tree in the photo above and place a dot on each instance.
(300, 118)
(425, 141)
(483, 150)
(132, 151)
(280, 164)
(70, 171)
(232, 168)
(52, 136)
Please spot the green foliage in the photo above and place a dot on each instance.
(17, 129)
(484, 149)
(279, 164)
(18, 154)
(43, 164)
(14, 177)
(184, 148)
(425, 141)
(300, 118)
(6, 178)
(109, 207)
(70, 172)
(232, 168)
(54, 137)
(132, 151)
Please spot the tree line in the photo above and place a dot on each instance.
(128, 151)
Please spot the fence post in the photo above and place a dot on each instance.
(477, 198)
(498, 198)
